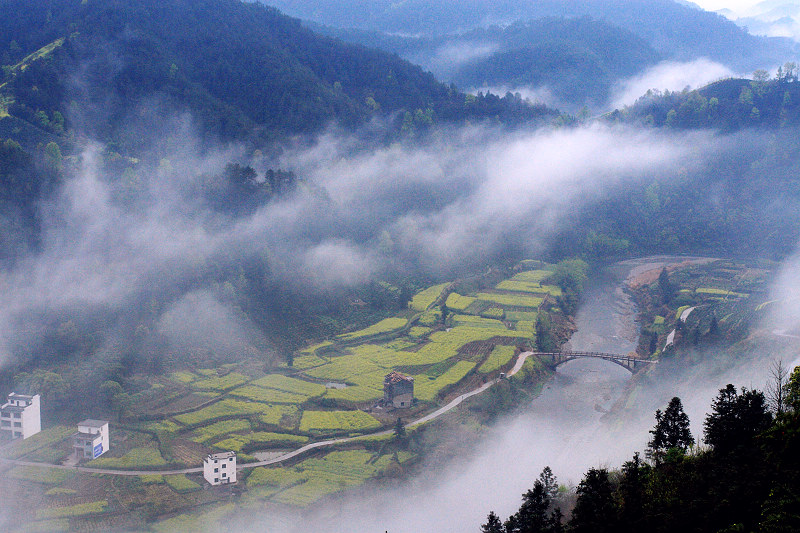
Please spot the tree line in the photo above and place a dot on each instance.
(744, 478)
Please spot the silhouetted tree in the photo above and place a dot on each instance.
(665, 286)
(736, 419)
(671, 431)
(594, 511)
(492, 525)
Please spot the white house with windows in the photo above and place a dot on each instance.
(220, 468)
(92, 439)
(20, 416)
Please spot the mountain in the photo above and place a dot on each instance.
(727, 105)
(238, 67)
(674, 30)
(577, 58)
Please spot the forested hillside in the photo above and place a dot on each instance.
(731, 104)
(577, 59)
(238, 67)
(672, 29)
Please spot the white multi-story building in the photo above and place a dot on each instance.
(92, 439)
(220, 468)
(20, 416)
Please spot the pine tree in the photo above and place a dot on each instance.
(671, 431)
(492, 525)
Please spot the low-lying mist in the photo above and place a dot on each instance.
(137, 255)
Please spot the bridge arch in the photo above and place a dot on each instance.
(631, 364)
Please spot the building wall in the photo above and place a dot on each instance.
(24, 423)
(220, 471)
(403, 400)
(102, 439)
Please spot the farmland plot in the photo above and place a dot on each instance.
(337, 420)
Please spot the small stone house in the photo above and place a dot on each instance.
(398, 390)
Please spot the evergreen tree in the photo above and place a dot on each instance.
(594, 511)
(665, 286)
(399, 429)
(492, 525)
(671, 431)
(736, 419)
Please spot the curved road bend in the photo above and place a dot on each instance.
(285, 457)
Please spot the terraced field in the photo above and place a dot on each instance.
(326, 391)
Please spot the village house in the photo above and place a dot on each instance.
(20, 416)
(92, 439)
(398, 390)
(220, 468)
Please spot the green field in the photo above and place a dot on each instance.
(181, 484)
(287, 384)
(258, 394)
(458, 302)
(337, 420)
(500, 356)
(218, 429)
(80, 509)
(261, 438)
(47, 476)
(232, 408)
(424, 299)
(137, 457)
(386, 325)
(221, 383)
(511, 300)
(477, 322)
(427, 389)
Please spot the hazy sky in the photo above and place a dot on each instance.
(733, 5)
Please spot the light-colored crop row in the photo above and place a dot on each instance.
(337, 421)
(136, 457)
(426, 389)
(384, 326)
(229, 408)
(721, 292)
(533, 276)
(477, 322)
(458, 302)
(218, 429)
(500, 356)
(260, 438)
(424, 299)
(223, 383)
(259, 394)
(513, 300)
(80, 509)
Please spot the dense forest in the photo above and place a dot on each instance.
(242, 69)
(726, 105)
(674, 29)
(743, 478)
(559, 53)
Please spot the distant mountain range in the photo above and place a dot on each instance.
(678, 31)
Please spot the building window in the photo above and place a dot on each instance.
(223, 466)
(17, 434)
(216, 480)
(17, 415)
(224, 474)
(216, 470)
(6, 423)
(17, 424)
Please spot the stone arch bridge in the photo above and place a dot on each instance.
(631, 364)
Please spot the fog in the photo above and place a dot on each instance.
(113, 243)
(669, 76)
(122, 249)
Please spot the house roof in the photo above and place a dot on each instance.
(93, 423)
(221, 455)
(397, 377)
